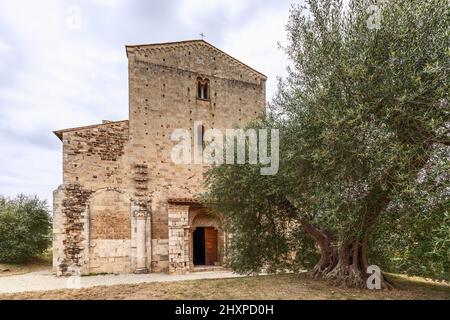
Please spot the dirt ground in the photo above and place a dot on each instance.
(273, 287)
(40, 263)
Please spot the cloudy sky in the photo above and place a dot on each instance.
(63, 64)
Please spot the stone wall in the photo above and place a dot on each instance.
(94, 156)
(110, 216)
(58, 232)
(134, 157)
(179, 257)
(110, 232)
(163, 97)
(69, 228)
(93, 161)
(95, 232)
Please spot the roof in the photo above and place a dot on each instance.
(59, 133)
(189, 42)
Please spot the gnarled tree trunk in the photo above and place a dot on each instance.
(343, 265)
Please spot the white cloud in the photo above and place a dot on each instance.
(55, 77)
(191, 11)
(256, 44)
(111, 4)
(4, 47)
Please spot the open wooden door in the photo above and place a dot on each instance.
(210, 246)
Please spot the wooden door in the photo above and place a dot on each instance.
(210, 246)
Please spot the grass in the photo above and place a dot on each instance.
(272, 287)
(43, 262)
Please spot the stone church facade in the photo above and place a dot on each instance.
(124, 206)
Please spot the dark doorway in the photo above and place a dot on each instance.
(199, 246)
(205, 246)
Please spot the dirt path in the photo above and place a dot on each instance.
(45, 280)
(285, 286)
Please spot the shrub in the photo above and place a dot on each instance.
(25, 228)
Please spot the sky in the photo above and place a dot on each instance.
(63, 65)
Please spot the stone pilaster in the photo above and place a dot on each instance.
(143, 218)
(141, 256)
(58, 230)
(143, 223)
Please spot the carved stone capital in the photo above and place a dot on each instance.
(141, 209)
(141, 214)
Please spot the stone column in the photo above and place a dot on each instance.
(141, 248)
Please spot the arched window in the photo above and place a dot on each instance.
(202, 88)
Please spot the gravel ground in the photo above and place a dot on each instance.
(272, 287)
(45, 280)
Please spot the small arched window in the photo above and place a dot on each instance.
(202, 88)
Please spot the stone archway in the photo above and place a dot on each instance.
(206, 235)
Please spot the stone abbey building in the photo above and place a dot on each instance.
(124, 205)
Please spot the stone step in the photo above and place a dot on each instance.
(209, 268)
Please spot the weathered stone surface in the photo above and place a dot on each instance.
(73, 211)
(129, 162)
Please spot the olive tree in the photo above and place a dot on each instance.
(25, 228)
(362, 114)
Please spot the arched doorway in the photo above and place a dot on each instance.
(206, 234)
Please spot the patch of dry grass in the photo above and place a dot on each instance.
(273, 287)
(43, 262)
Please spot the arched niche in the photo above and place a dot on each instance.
(110, 230)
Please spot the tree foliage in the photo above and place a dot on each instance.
(415, 236)
(364, 123)
(25, 228)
